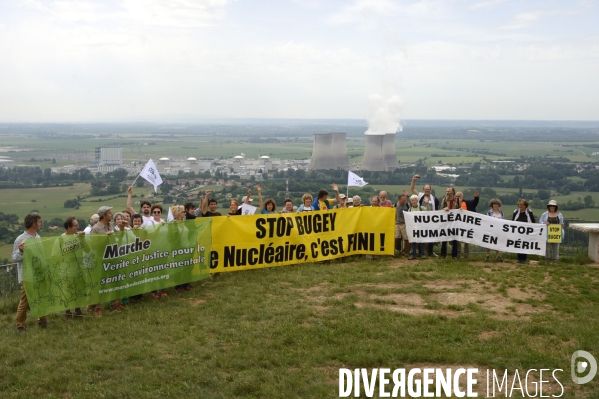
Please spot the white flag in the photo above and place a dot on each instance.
(150, 173)
(170, 217)
(355, 180)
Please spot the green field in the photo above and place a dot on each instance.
(140, 147)
(285, 332)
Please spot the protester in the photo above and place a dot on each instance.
(524, 215)
(357, 201)
(92, 221)
(156, 211)
(426, 192)
(71, 227)
(33, 223)
(104, 227)
(268, 207)
(287, 206)
(552, 216)
(400, 226)
(208, 206)
(497, 213)
(450, 202)
(178, 233)
(144, 206)
(306, 203)
(120, 223)
(189, 210)
(467, 205)
(415, 207)
(375, 201)
(433, 204)
(342, 202)
(235, 208)
(350, 202)
(322, 203)
(137, 221)
(127, 215)
(384, 201)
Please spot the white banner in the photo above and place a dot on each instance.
(247, 209)
(474, 228)
(150, 173)
(355, 180)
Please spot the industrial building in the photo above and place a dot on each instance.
(109, 159)
(329, 152)
(379, 152)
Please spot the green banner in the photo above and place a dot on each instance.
(65, 272)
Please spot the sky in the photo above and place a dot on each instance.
(380, 60)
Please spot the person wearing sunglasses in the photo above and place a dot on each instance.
(156, 212)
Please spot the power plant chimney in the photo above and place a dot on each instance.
(329, 152)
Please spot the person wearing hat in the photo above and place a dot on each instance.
(103, 227)
(92, 222)
(552, 216)
(342, 202)
(350, 202)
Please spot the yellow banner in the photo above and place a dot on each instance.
(554, 233)
(257, 241)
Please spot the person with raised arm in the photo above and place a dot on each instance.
(433, 204)
(144, 206)
(267, 207)
(208, 206)
(322, 203)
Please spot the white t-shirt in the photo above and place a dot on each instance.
(151, 222)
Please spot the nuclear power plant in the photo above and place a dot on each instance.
(330, 152)
(379, 152)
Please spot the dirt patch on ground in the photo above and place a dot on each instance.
(448, 298)
(194, 301)
(389, 286)
(522, 295)
(485, 335)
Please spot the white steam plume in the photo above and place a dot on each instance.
(384, 114)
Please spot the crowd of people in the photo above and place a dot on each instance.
(424, 201)
(105, 221)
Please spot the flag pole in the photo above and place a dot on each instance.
(135, 180)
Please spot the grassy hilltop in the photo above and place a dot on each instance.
(285, 332)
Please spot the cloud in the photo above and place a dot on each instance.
(523, 20)
(486, 4)
(527, 19)
(163, 13)
(363, 10)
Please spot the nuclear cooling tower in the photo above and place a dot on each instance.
(330, 152)
(340, 151)
(390, 155)
(374, 153)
